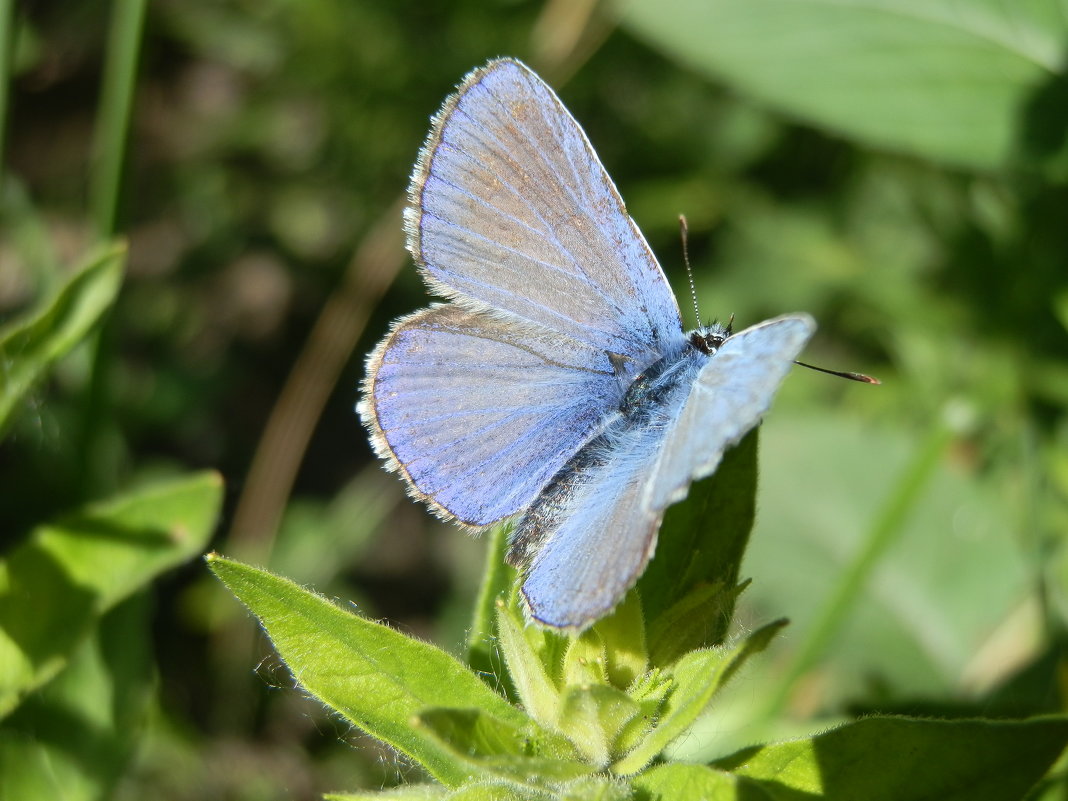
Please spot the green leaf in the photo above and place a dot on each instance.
(594, 717)
(527, 671)
(698, 676)
(407, 792)
(899, 759)
(475, 732)
(29, 347)
(55, 586)
(702, 542)
(622, 635)
(499, 791)
(977, 85)
(475, 791)
(74, 737)
(878, 758)
(492, 747)
(651, 692)
(680, 781)
(376, 677)
(685, 624)
(595, 788)
(585, 661)
(497, 579)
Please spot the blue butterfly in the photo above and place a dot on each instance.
(557, 382)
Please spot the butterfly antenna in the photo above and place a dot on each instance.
(684, 231)
(864, 379)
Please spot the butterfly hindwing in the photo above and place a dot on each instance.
(588, 537)
(477, 411)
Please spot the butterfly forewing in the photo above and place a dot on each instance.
(512, 209)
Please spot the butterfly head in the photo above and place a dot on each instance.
(709, 338)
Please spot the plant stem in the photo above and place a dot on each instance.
(105, 181)
(113, 117)
(7, 58)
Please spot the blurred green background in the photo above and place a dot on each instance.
(897, 168)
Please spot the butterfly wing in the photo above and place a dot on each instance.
(511, 210)
(590, 534)
(586, 541)
(730, 396)
(479, 412)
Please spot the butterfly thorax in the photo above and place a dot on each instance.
(650, 392)
(672, 373)
(652, 399)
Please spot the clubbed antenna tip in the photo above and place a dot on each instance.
(864, 379)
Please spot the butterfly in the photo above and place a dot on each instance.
(556, 383)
